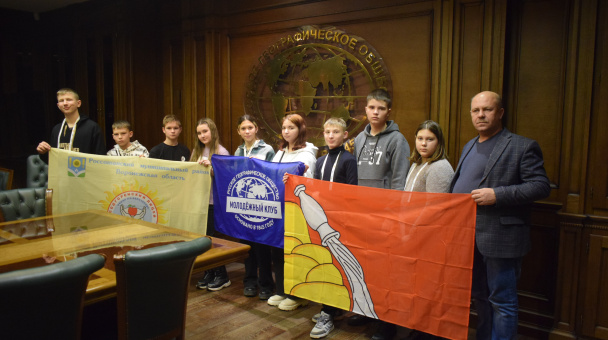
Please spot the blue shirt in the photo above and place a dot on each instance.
(473, 165)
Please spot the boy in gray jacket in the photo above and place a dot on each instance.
(382, 162)
(381, 150)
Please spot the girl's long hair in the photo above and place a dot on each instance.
(199, 147)
(440, 152)
(300, 141)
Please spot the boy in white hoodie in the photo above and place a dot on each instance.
(122, 134)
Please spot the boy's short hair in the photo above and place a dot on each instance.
(171, 118)
(380, 95)
(121, 124)
(335, 121)
(67, 90)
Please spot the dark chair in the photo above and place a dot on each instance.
(6, 179)
(37, 172)
(18, 204)
(152, 289)
(46, 302)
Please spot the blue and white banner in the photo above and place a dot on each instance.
(249, 197)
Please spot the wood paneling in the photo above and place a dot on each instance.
(467, 53)
(594, 315)
(598, 176)
(537, 71)
(406, 35)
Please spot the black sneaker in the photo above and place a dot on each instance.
(218, 283)
(250, 291)
(265, 294)
(207, 278)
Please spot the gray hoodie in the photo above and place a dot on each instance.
(382, 160)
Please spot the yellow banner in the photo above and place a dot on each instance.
(174, 194)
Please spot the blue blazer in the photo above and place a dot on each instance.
(516, 172)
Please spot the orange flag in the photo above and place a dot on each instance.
(402, 257)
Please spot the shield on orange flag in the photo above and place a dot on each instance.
(402, 257)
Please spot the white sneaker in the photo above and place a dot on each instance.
(292, 303)
(275, 300)
(325, 324)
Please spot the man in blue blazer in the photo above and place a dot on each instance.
(504, 174)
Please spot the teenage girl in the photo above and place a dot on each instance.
(430, 172)
(293, 148)
(207, 144)
(258, 266)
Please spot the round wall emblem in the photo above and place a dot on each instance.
(317, 73)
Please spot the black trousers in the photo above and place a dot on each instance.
(258, 267)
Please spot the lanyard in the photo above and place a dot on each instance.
(333, 169)
(71, 137)
(415, 177)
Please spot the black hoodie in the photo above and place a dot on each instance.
(88, 138)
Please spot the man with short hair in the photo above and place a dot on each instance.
(504, 174)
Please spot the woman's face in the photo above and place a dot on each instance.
(204, 134)
(426, 143)
(290, 131)
(247, 130)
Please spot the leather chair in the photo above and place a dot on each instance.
(37, 172)
(152, 289)
(18, 204)
(46, 302)
(6, 179)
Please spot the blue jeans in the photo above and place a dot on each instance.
(495, 293)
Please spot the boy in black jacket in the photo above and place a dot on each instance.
(339, 166)
(76, 133)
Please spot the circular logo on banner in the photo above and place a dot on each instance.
(317, 73)
(135, 201)
(254, 199)
(136, 205)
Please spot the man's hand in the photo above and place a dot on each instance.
(43, 148)
(485, 196)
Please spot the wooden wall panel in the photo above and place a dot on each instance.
(403, 39)
(244, 53)
(406, 45)
(570, 245)
(595, 314)
(466, 74)
(147, 89)
(537, 71)
(598, 175)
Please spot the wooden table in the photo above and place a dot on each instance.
(39, 241)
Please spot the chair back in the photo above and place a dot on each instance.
(37, 172)
(46, 302)
(152, 289)
(18, 204)
(6, 179)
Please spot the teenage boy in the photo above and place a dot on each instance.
(76, 133)
(339, 166)
(122, 134)
(170, 149)
(382, 155)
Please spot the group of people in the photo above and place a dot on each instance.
(503, 172)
